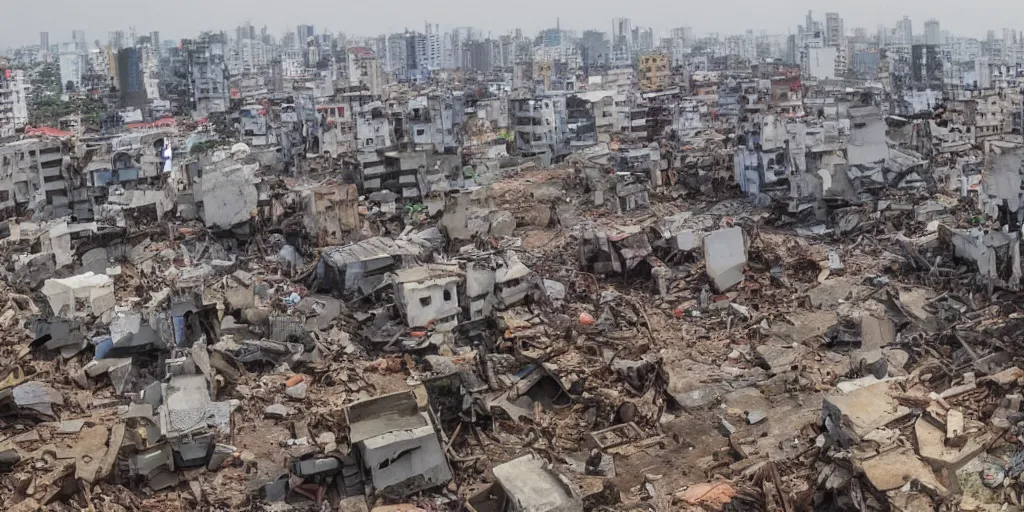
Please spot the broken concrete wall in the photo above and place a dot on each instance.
(80, 296)
(332, 213)
(471, 214)
(1001, 183)
(512, 281)
(997, 254)
(397, 443)
(725, 255)
(229, 195)
(867, 143)
(479, 290)
(404, 462)
(360, 267)
(428, 294)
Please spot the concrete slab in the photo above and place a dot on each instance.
(892, 470)
(532, 487)
(404, 462)
(931, 445)
(858, 413)
(725, 255)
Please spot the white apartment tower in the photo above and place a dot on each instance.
(834, 31)
(932, 32)
(72, 66)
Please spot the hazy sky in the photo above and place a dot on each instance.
(22, 20)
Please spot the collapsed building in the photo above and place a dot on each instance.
(736, 289)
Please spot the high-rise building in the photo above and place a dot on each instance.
(905, 31)
(882, 36)
(289, 40)
(481, 56)
(643, 39)
(72, 67)
(364, 70)
(834, 31)
(397, 60)
(304, 33)
(207, 73)
(13, 101)
(44, 46)
(594, 49)
(682, 34)
(154, 38)
(433, 34)
(131, 78)
(622, 41)
(116, 39)
(245, 32)
(1010, 50)
(932, 32)
(78, 37)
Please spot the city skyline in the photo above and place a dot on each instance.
(174, 26)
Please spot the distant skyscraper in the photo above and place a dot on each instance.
(594, 49)
(622, 31)
(289, 40)
(72, 66)
(78, 37)
(932, 33)
(244, 32)
(44, 41)
(116, 40)
(305, 32)
(684, 34)
(622, 41)
(834, 30)
(130, 77)
(905, 31)
(154, 39)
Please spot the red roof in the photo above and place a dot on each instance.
(361, 51)
(167, 121)
(48, 131)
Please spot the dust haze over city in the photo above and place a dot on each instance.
(527, 257)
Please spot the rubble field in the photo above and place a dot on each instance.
(246, 340)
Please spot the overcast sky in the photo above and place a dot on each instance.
(22, 20)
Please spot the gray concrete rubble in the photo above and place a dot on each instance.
(398, 444)
(545, 274)
(530, 486)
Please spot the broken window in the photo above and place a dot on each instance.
(425, 301)
(447, 295)
(419, 132)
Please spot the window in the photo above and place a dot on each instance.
(447, 295)
(5, 195)
(369, 142)
(425, 301)
(419, 132)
